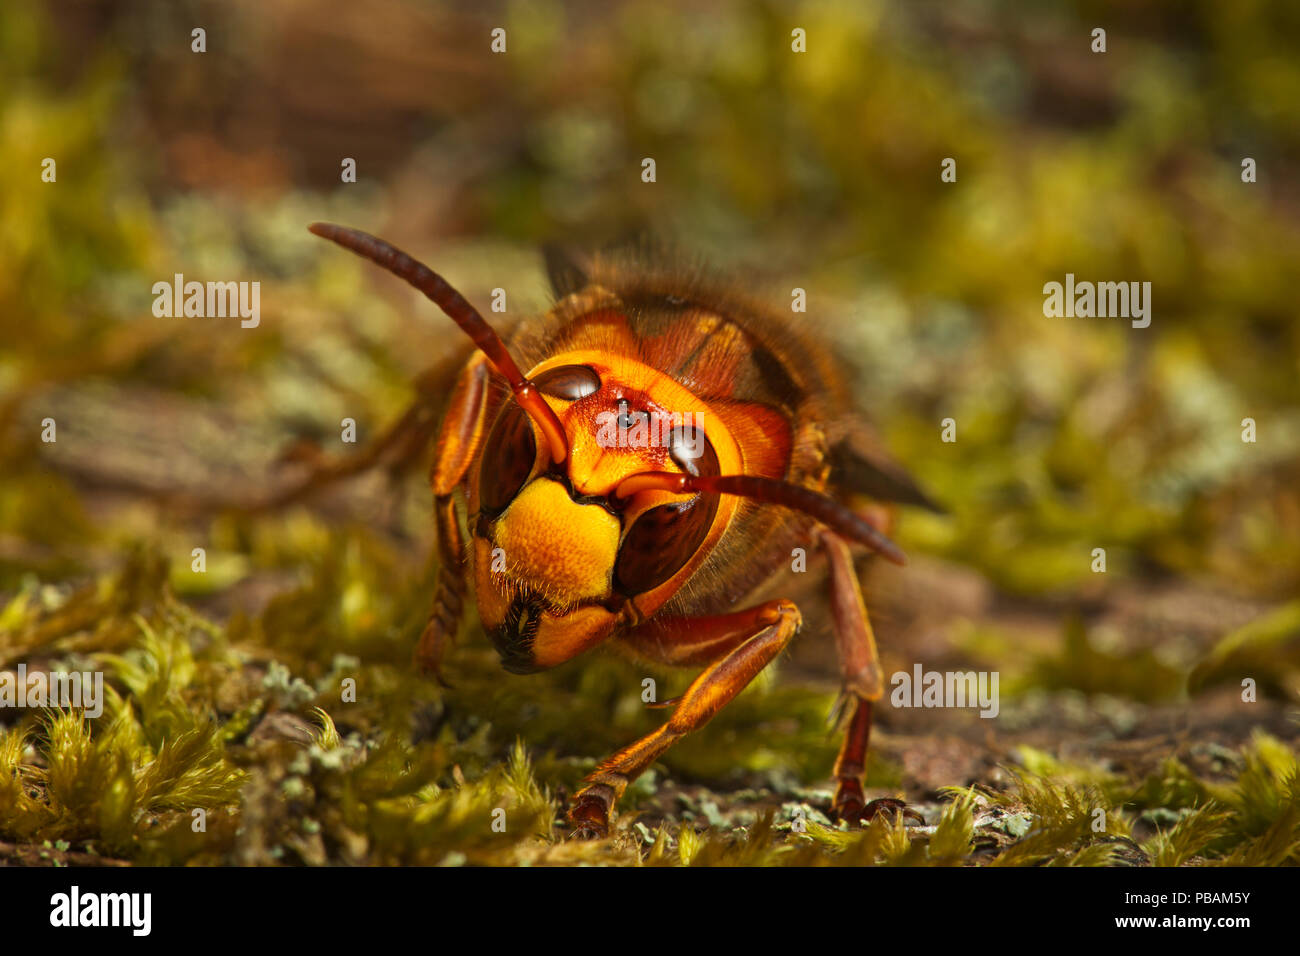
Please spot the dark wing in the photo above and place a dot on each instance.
(566, 267)
(858, 465)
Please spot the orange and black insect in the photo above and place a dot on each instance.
(668, 446)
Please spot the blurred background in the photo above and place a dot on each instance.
(819, 170)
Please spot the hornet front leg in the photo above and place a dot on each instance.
(863, 686)
(739, 644)
(459, 438)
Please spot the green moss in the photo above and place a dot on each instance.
(287, 772)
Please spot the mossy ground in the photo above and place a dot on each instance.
(248, 721)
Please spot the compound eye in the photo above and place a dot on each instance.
(663, 539)
(568, 382)
(508, 459)
(660, 543)
(692, 452)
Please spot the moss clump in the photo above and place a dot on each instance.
(287, 772)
